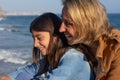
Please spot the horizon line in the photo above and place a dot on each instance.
(31, 14)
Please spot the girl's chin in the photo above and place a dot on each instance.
(43, 53)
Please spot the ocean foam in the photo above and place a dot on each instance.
(12, 57)
(2, 29)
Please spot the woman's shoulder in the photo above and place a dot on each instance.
(115, 34)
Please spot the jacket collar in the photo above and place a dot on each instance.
(115, 35)
(101, 47)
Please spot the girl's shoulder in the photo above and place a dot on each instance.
(73, 53)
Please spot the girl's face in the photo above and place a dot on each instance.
(67, 27)
(41, 40)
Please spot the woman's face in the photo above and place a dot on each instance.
(41, 40)
(67, 27)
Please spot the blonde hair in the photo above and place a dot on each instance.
(89, 18)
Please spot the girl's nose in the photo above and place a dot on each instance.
(35, 43)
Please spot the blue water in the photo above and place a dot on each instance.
(16, 41)
(115, 20)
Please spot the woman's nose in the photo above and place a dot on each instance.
(62, 27)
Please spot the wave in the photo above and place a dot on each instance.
(22, 29)
(1, 18)
(2, 29)
(13, 56)
(9, 30)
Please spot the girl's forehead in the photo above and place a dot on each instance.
(40, 32)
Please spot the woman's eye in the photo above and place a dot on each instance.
(67, 23)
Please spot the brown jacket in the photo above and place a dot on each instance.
(108, 55)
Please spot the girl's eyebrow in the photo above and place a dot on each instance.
(37, 35)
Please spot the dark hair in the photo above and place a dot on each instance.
(51, 23)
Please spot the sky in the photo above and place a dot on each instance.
(41, 6)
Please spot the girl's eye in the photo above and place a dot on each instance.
(39, 38)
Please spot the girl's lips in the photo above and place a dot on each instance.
(41, 49)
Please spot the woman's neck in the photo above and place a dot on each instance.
(94, 46)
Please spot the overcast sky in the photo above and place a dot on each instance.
(40, 6)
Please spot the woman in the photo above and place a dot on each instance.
(85, 24)
(59, 61)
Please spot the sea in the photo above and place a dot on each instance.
(16, 41)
